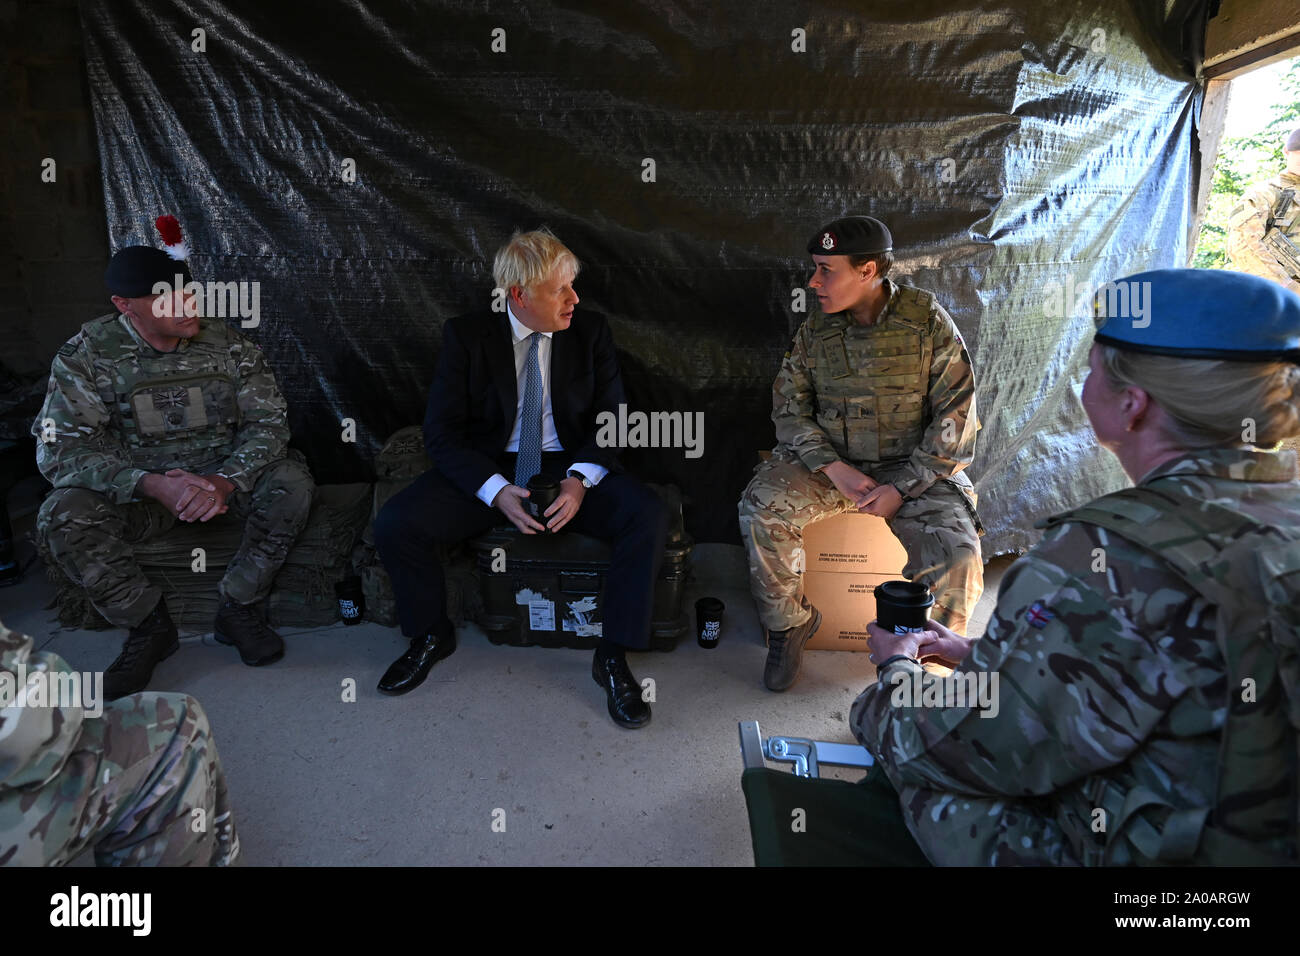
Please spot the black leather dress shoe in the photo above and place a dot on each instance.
(624, 693)
(409, 671)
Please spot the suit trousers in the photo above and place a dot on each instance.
(620, 510)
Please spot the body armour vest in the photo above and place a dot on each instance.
(172, 409)
(872, 381)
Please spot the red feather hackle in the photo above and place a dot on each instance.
(169, 229)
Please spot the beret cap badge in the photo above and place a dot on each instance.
(851, 236)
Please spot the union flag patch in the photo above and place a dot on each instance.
(1038, 615)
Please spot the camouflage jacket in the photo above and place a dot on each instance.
(117, 409)
(900, 393)
(1248, 222)
(1103, 668)
(34, 740)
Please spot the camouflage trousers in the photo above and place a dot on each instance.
(143, 785)
(937, 530)
(91, 538)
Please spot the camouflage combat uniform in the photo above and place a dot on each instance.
(1248, 223)
(896, 400)
(127, 783)
(117, 409)
(1110, 681)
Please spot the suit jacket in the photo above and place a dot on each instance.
(474, 396)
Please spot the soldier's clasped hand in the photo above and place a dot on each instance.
(882, 500)
(850, 482)
(203, 499)
(188, 496)
(217, 501)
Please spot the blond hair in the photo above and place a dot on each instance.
(1211, 402)
(529, 257)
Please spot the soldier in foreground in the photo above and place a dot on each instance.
(142, 783)
(153, 415)
(1264, 229)
(1144, 707)
(874, 409)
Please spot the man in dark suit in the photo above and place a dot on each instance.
(517, 394)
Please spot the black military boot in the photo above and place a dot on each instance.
(785, 652)
(150, 641)
(242, 626)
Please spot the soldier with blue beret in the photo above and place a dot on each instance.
(1180, 313)
(1141, 661)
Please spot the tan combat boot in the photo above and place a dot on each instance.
(785, 651)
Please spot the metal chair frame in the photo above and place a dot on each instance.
(806, 755)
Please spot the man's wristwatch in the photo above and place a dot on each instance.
(581, 477)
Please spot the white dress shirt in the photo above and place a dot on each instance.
(519, 333)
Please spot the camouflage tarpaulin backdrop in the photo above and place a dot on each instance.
(1021, 154)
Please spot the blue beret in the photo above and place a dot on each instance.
(851, 236)
(134, 271)
(1200, 313)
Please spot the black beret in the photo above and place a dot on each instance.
(851, 236)
(134, 271)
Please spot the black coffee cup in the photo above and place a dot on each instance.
(352, 600)
(903, 607)
(542, 492)
(708, 621)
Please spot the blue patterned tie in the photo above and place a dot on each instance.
(529, 461)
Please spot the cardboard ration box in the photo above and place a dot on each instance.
(846, 556)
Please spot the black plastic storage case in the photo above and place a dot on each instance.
(549, 592)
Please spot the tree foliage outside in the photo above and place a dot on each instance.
(1242, 162)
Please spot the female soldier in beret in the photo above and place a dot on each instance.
(1142, 660)
(874, 409)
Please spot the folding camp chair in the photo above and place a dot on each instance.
(798, 819)
(806, 755)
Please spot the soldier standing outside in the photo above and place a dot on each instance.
(1144, 708)
(1264, 229)
(155, 414)
(874, 409)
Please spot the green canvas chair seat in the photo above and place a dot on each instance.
(800, 819)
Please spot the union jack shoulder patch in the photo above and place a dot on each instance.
(1038, 615)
